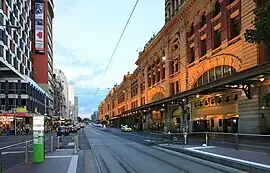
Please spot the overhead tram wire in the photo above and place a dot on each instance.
(119, 40)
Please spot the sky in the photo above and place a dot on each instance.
(85, 35)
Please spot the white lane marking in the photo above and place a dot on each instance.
(71, 144)
(64, 149)
(55, 157)
(16, 152)
(197, 148)
(234, 159)
(73, 164)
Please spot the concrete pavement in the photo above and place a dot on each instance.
(63, 160)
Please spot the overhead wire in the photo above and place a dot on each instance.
(117, 44)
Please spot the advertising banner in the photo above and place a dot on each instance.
(38, 139)
(39, 27)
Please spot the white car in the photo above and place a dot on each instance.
(125, 128)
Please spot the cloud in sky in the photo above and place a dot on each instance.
(85, 35)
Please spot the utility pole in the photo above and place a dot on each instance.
(14, 111)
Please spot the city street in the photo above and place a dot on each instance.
(117, 154)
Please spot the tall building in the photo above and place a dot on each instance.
(197, 74)
(20, 96)
(76, 109)
(71, 100)
(42, 46)
(62, 79)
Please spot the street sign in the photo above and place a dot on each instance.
(38, 139)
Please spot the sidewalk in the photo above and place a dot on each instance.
(60, 161)
(63, 160)
(240, 159)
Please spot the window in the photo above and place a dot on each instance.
(217, 8)
(217, 39)
(1, 51)
(203, 22)
(203, 47)
(171, 89)
(215, 74)
(1, 18)
(176, 87)
(191, 55)
(235, 27)
(171, 67)
(218, 73)
(163, 71)
(191, 32)
(176, 67)
(212, 75)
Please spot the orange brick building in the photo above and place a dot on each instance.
(197, 74)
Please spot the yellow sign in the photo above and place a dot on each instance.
(21, 109)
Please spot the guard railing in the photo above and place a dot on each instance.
(257, 142)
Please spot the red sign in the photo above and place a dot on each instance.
(39, 34)
(13, 114)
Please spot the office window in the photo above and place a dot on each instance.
(217, 39)
(203, 22)
(203, 47)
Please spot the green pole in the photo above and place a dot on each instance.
(38, 139)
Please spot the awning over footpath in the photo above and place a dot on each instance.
(242, 77)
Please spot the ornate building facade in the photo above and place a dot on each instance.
(197, 74)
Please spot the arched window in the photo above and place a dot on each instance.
(203, 22)
(191, 32)
(217, 8)
(214, 74)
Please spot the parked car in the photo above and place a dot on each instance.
(73, 129)
(62, 130)
(125, 128)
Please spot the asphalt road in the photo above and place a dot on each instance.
(116, 154)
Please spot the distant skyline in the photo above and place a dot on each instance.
(85, 34)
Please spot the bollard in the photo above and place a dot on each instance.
(51, 143)
(185, 138)
(206, 139)
(75, 145)
(236, 141)
(58, 142)
(77, 142)
(26, 152)
(169, 142)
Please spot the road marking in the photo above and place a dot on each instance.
(73, 164)
(64, 149)
(16, 152)
(55, 157)
(71, 144)
(197, 148)
(234, 159)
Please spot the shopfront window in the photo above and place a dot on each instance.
(214, 74)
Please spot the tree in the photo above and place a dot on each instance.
(86, 120)
(261, 31)
(79, 119)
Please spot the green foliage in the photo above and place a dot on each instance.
(79, 119)
(261, 31)
(86, 120)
